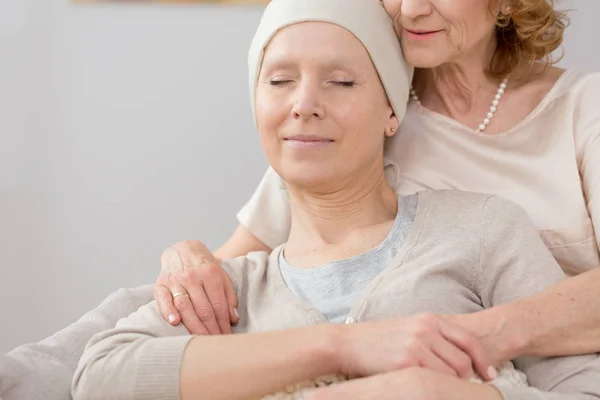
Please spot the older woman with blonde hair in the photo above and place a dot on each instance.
(488, 112)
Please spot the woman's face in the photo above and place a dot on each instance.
(435, 32)
(321, 109)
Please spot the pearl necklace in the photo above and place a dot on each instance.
(490, 113)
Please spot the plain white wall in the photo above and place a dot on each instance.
(125, 128)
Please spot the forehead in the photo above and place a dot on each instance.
(320, 42)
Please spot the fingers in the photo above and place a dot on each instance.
(167, 309)
(469, 344)
(196, 281)
(453, 358)
(215, 291)
(211, 306)
(186, 309)
(232, 300)
(418, 351)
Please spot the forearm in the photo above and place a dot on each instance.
(561, 320)
(252, 365)
(529, 393)
(453, 388)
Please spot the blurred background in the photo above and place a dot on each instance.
(125, 127)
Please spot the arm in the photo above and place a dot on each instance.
(44, 370)
(563, 319)
(408, 384)
(239, 244)
(144, 355)
(515, 263)
(267, 214)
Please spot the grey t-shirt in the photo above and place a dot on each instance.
(334, 287)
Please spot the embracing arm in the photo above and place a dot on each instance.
(564, 318)
(408, 384)
(146, 357)
(515, 264)
(561, 320)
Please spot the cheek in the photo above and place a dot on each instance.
(366, 125)
(270, 112)
(470, 24)
(392, 7)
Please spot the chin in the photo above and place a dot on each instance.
(305, 176)
(424, 58)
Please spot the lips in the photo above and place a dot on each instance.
(307, 141)
(307, 138)
(421, 31)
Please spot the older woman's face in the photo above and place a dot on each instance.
(435, 32)
(321, 109)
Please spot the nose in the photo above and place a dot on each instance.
(308, 102)
(412, 9)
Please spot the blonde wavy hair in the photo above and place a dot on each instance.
(527, 36)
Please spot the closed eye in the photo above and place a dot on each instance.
(345, 83)
(279, 82)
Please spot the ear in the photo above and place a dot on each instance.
(392, 126)
(505, 7)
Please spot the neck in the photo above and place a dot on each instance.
(457, 87)
(321, 218)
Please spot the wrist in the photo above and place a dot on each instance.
(507, 332)
(329, 351)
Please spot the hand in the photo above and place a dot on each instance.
(427, 341)
(209, 303)
(502, 341)
(407, 384)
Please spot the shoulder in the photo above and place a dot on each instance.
(499, 210)
(451, 214)
(243, 268)
(582, 89)
(578, 84)
(470, 210)
(453, 200)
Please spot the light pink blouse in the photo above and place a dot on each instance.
(549, 164)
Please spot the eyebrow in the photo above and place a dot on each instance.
(284, 62)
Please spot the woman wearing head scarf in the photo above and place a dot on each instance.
(487, 113)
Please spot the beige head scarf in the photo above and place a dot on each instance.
(365, 19)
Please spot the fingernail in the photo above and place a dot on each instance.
(235, 311)
(492, 372)
(172, 318)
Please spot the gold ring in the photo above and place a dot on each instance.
(175, 295)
